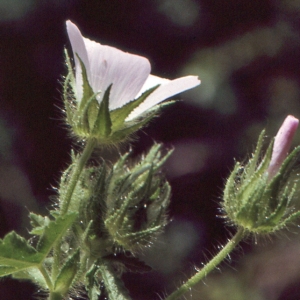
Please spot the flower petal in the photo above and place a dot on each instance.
(79, 48)
(166, 90)
(108, 65)
(152, 81)
(282, 144)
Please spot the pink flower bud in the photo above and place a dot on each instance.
(282, 144)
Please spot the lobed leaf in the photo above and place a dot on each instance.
(16, 254)
(54, 232)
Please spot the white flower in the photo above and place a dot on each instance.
(129, 75)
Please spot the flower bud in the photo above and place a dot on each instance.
(123, 207)
(137, 201)
(282, 144)
(257, 195)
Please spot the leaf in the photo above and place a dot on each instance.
(91, 283)
(32, 274)
(6, 270)
(54, 232)
(113, 285)
(16, 254)
(38, 223)
(67, 274)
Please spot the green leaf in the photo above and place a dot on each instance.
(119, 115)
(113, 285)
(6, 270)
(38, 223)
(103, 124)
(92, 284)
(32, 274)
(16, 254)
(67, 274)
(54, 232)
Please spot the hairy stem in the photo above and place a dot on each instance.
(91, 143)
(65, 202)
(211, 265)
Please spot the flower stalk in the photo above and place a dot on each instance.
(65, 202)
(210, 266)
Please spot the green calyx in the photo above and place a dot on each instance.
(254, 201)
(91, 119)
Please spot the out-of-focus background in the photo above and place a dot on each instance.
(247, 54)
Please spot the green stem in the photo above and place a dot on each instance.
(65, 203)
(211, 265)
(56, 260)
(76, 174)
(46, 277)
(55, 296)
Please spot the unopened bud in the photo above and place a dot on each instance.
(257, 195)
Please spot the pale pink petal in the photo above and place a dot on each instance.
(108, 65)
(79, 48)
(282, 144)
(152, 81)
(164, 92)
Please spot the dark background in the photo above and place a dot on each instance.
(247, 55)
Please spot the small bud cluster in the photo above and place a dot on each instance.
(121, 208)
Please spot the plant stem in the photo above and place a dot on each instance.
(55, 296)
(46, 277)
(91, 143)
(209, 266)
(56, 260)
(65, 203)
